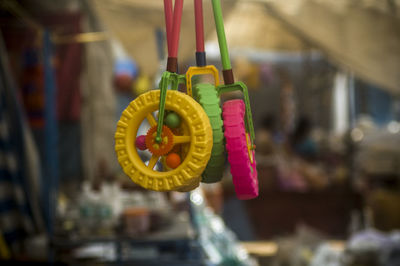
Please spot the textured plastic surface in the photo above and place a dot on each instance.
(182, 151)
(199, 141)
(208, 98)
(194, 183)
(244, 172)
(186, 187)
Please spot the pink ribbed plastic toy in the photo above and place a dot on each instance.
(244, 172)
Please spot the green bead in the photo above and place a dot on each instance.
(172, 120)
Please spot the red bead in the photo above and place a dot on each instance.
(141, 142)
(173, 160)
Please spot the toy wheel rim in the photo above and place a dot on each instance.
(243, 169)
(207, 97)
(199, 141)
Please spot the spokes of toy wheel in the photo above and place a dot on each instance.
(169, 139)
(181, 139)
(177, 139)
(153, 161)
(150, 119)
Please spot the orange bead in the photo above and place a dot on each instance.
(173, 160)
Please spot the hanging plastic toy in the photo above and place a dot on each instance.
(190, 139)
(238, 122)
(206, 94)
(187, 140)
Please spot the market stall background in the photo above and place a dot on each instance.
(324, 86)
(346, 31)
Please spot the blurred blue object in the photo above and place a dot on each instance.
(18, 202)
(50, 167)
(125, 66)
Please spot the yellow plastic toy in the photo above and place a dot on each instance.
(200, 70)
(180, 140)
(197, 141)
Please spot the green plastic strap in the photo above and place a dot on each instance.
(240, 86)
(219, 25)
(167, 79)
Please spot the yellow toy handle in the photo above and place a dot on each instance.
(204, 70)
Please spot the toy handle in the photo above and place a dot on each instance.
(204, 70)
(168, 22)
(173, 33)
(198, 16)
(223, 47)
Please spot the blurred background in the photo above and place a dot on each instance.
(324, 85)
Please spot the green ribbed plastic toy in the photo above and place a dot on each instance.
(207, 96)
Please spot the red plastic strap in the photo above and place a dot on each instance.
(198, 15)
(176, 27)
(168, 22)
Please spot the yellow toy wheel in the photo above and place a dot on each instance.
(199, 140)
(195, 182)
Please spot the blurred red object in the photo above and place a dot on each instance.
(123, 82)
